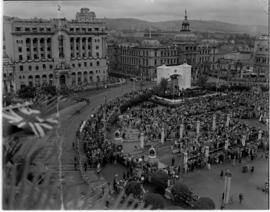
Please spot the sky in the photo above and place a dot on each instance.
(245, 12)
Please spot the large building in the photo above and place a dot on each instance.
(142, 59)
(8, 75)
(261, 57)
(57, 51)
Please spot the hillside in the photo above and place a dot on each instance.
(175, 25)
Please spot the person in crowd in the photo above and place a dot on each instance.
(173, 161)
(241, 198)
(221, 173)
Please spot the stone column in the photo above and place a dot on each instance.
(74, 47)
(93, 51)
(86, 46)
(38, 48)
(45, 48)
(81, 47)
(31, 49)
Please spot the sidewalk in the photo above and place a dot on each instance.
(209, 184)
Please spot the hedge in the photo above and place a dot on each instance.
(134, 188)
(160, 181)
(155, 200)
(181, 194)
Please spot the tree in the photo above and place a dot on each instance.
(155, 200)
(163, 85)
(204, 203)
(134, 188)
(160, 181)
(49, 90)
(201, 81)
(27, 92)
(181, 193)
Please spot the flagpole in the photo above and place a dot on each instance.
(60, 141)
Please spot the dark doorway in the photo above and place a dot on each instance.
(62, 81)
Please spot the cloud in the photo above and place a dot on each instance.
(233, 11)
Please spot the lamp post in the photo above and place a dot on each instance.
(227, 186)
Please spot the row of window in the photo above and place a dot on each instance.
(34, 49)
(147, 53)
(44, 80)
(78, 55)
(261, 60)
(35, 40)
(44, 66)
(83, 39)
(83, 47)
(33, 29)
(83, 29)
(73, 75)
(84, 64)
(42, 56)
(261, 49)
(49, 29)
(35, 56)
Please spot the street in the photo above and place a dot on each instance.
(69, 123)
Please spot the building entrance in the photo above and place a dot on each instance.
(62, 81)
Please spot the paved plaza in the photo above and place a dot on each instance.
(209, 183)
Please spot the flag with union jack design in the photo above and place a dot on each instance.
(24, 117)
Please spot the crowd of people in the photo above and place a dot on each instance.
(224, 141)
(98, 149)
(149, 118)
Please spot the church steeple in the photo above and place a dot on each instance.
(185, 24)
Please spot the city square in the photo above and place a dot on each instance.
(94, 120)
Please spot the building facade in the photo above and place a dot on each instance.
(57, 51)
(261, 57)
(8, 75)
(142, 59)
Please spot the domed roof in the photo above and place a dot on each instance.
(150, 43)
(185, 34)
(185, 37)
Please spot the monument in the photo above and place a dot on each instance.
(183, 73)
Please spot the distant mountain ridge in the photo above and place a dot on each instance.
(175, 25)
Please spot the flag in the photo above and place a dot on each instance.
(29, 120)
(162, 135)
(243, 140)
(260, 134)
(198, 127)
(207, 151)
(228, 120)
(181, 130)
(142, 140)
(185, 160)
(226, 144)
(214, 122)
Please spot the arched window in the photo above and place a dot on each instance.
(73, 78)
(61, 46)
(85, 77)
